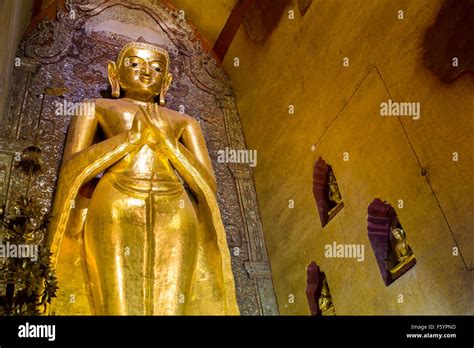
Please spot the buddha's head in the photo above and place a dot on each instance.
(325, 289)
(141, 72)
(398, 234)
(325, 299)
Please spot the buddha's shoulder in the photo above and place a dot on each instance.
(180, 117)
(105, 104)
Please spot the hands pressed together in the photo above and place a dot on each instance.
(151, 127)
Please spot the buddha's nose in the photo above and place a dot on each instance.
(146, 72)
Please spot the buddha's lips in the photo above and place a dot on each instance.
(146, 79)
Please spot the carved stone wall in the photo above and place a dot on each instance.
(65, 60)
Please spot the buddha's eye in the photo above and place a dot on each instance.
(134, 65)
(158, 69)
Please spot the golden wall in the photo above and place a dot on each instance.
(14, 18)
(209, 16)
(337, 108)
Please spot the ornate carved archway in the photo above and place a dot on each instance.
(65, 59)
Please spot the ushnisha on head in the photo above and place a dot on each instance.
(141, 72)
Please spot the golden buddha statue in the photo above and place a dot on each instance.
(326, 306)
(404, 257)
(143, 242)
(401, 248)
(334, 193)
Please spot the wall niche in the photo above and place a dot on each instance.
(318, 293)
(388, 240)
(326, 192)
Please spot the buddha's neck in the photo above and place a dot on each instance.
(139, 98)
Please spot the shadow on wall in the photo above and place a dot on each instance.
(449, 43)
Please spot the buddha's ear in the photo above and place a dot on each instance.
(113, 79)
(167, 82)
(164, 88)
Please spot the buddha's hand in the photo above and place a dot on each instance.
(135, 135)
(158, 131)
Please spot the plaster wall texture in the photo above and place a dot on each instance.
(337, 108)
(209, 16)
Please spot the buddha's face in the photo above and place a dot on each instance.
(325, 289)
(142, 72)
(398, 234)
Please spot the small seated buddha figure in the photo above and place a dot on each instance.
(402, 252)
(334, 194)
(325, 303)
(335, 198)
